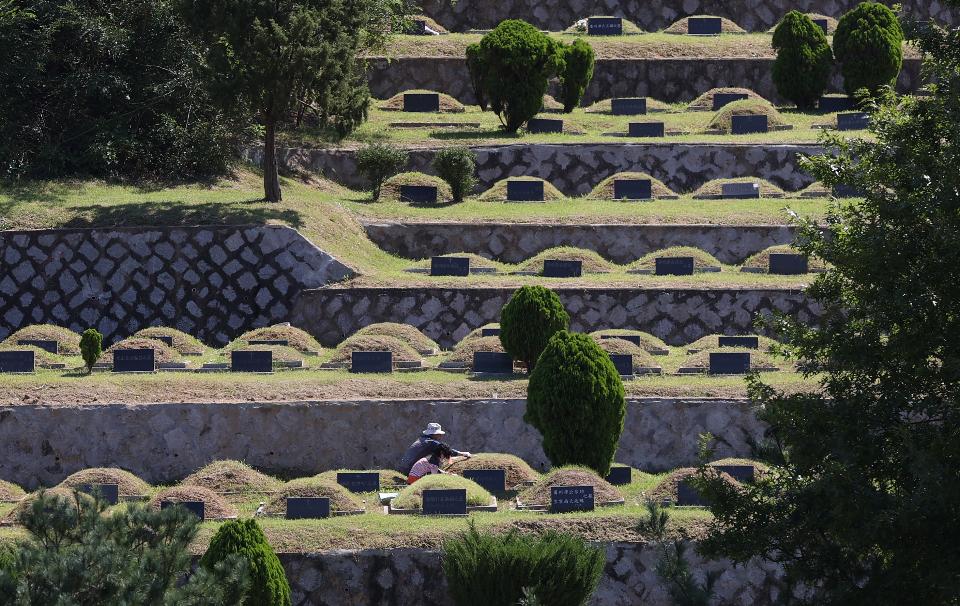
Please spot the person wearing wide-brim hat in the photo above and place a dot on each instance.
(429, 444)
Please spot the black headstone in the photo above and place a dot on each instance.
(846, 191)
(628, 106)
(194, 507)
(308, 508)
(632, 189)
(493, 362)
(604, 26)
(635, 339)
(524, 191)
(50, 346)
(721, 99)
(492, 480)
(704, 26)
(274, 342)
(371, 361)
(836, 104)
(417, 27)
(571, 498)
(165, 339)
(688, 495)
(134, 360)
(419, 194)
(674, 266)
(620, 475)
(748, 342)
(251, 361)
(646, 129)
(449, 266)
(451, 501)
(746, 125)
(359, 481)
(544, 125)
(489, 332)
(822, 24)
(853, 121)
(729, 363)
(740, 473)
(556, 268)
(623, 363)
(109, 493)
(740, 190)
(421, 102)
(788, 264)
(18, 361)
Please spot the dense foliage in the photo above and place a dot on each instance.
(801, 71)
(575, 398)
(378, 162)
(268, 584)
(577, 71)
(865, 498)
(528, 320)
(456, 166)
(501, 570)
(868, 45)
(91, 346)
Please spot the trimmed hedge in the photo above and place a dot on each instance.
(801, 71)
(528, 320)
(268, 581)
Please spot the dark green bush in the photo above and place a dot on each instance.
(868, 45)
(244, 538)
(801, 71)
(576, 74)
(91, 346)
(456, 166)
(476, 67)
(495, 570)
(528, 320)
(575, 399)
(378, 162)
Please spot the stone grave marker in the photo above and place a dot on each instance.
(165, 339)
(492, 480)
(571, 498)
(270, 342)
(492, 362)
(632, 189)
(308, 508)
(419, 194)
(451, 501)
(721, 99)
(740, 473)
(620, 475)
(831, 104)
(544, 125)
(673, 266)
(194, 507)
(646, 129)
(48, 345)
(450, 266)
(251, 361)
(557, 268)
(747, 125)
(18, 361)
(704, 26)
(853, 121)
(846, 191)
(134, 360)
(623, 363)
(417, 27)
(689, 496)
(524, 191)
(371, 361)
(729, 363)
(489, 332)
(635, 339)
(628, 106)
(421, 102)
(788, 264)
(822, 24)
(359, 481)
(747, 342)
(604, 26)
(109, 493)
(740, 190)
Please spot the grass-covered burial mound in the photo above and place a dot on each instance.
(401, 351)
(538, 495)
(231, 477)
(591, 261)
(341, 499)
(161, 352)
(759, 359)
(605, 106)
(10, 492)
(67, 340)
(580, 26)
(391, 187)
(448, 105)
(726, 26)
(215, 507)
(411, 496)
(642, 361)
(713, 342)
(714, 189)
(388, 477)
(701, 259)
(403, 332)
(666, 489)
(130, 486)
(498, 191)
(604, 189)
(517, 471)
(761, 260)
(648, 342)
(183, 343)
(296, 338)
(463, 352)
(723, 119)
(704, 102)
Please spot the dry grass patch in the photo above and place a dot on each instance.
(215, 507)
(641, 359)
(182, 342)
(130, 485)
(551, 105)
(448, 105)
(517, 471)
(604, 106)
(648, 342)
(712, 189)
(539, 493)
(10, 492)
(231, 477)
(704, 102)
(341, 499)
(667, 489)
(726, 26)
(592, 262)
(161, 352)
(403, 332)
(723, 119)
(477, 333)
(498, 191)
(463, 352)
(814, 190)
(296, 338)
(388, 477)
(701, 259)
(604, 189)
(401, 351)
(411, 497)
(68, 341)
(391, 187)
(761, 260)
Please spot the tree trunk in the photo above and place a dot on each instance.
(271, 176)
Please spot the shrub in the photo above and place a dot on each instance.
(378, 162)
(576, 74)
(91, 346)
(476, 67)
(244, 538)
(575, 399)
(868, 44)
(456, 166)
(528, 320)
(500, 570)
(801, 70)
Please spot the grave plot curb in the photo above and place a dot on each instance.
(470, 508)
(536, 507)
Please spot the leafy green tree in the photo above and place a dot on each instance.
(378, 162)
(456, 166)
(528, 320)
(801, 71)
(244, 538)
(575, 399)
(91, 347)
(476, 67)
(868, 45)
(578, 60)
(864, 502)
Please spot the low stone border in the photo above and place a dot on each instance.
(470, 508)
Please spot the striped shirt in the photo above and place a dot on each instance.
(423, 467)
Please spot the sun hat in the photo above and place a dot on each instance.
(433, 429)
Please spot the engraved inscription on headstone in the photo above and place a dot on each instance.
(524, 191)
(194, 507)
(418, 194)
(788, 264)
(729, 363)
(623, 363)
(492, 480)
(646, 129)
(740, 190)
(18, 361)
(571, 498)
(604, 26)
(493, 362)
(673, 266)
(421, 102)
(445, 502)
(628, 106)
(359, 481)
(544, 125)
(748, 342)
(722, 99)
(134, 360)
(450, 266)
(704, 26)
(308, 508)
(747, 125)
(632, 189)
(371, 361)
(251, 361)
(44, 344)
(556, 268)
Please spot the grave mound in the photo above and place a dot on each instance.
(296, 338)
(604, 189)
(448, 105)
(592, 262)
(759, 468)
(518, 473)
(215, 507)
(580, 26)
(477, 333)
(714, 189)
(61, 493)
(69, 341)
(340, 498)
(551, 105)
(641, 359)
(403, 332)
(759, 360)
(726, 26)
(463, 353)
(401, 351)
(130, 486)
(231, 477)
(430, 23)
(391, 187)
(666, 489)
(162, 353)
(41, 357)
(704, 102)
(10, 492)
(411, 496)
(723, 118)
(701, 258)
(604, 106)
(831, 23)
(814, 190)
(281, 353)
(648, 342)
(476, 261)
(539, 493)
(761, 260)
(498, 191)
(713, 342)
(185, 344)
(388, 477)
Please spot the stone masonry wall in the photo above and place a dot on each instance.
(165, 442)
(446, 315)
(212, 282)
(516, 242)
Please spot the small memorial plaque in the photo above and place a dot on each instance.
(853, 121)
(729, 363)
(308, 508)
(623, 363)
(489, 332)
(628, 106)
(740, 191)
(492, 480)
(44, 344)
(604, 26)
(635, 339)
(571, 498)
(109, 493)
(632, 189)
(273, 342)
(747, 125)
(371, 361)
(251, 361)
(359, 481)
(556, 268)
(620, 475)
(788, 264)
(445, 502)
(673, 266)
(524, 191)
(822, 24)
(646, 129)
(18, 361)
(449, 266)
(689, 496)
(741, 473)
(493, 362)
(544, 125)
(194, 507)
(418, 194)
(421, 102)
(134, 360)
(722, 99)
(834, 104)
(704, 26)
(747, 342)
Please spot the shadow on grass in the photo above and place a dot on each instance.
(179, 213)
